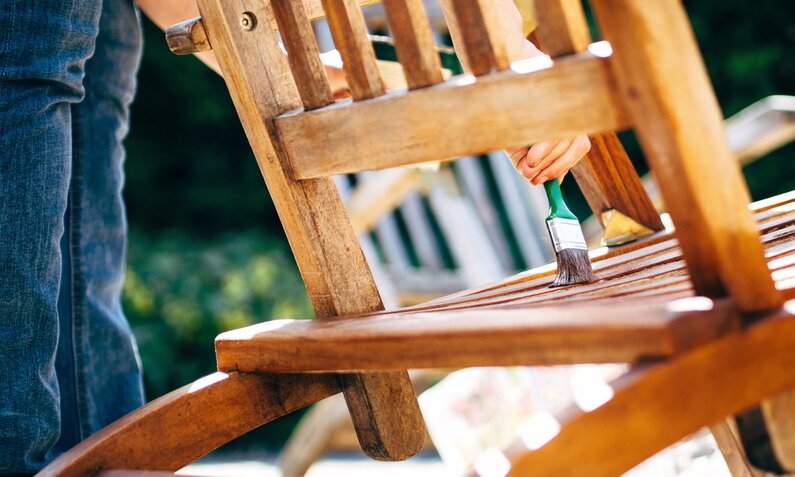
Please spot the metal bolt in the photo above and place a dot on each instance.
(248, 21)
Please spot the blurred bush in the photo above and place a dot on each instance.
(180, 292)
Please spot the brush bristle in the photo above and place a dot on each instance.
(574, 266)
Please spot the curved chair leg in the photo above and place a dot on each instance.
(180, 427)
(656, 405)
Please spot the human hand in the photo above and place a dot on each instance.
(332, 64)
(550, 159)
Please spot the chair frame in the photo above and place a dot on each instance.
(655, 81)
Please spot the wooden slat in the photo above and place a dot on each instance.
(491, 337)
(660, 404)
(413, 38)
(483, 45)
(625, 271)
(666, 89)
(314, 8)
(302, 53)
(454, 119)
(606, 176)
(608, 180)
(779, 417)
(562, 26)
(176, 429)
(331, 262)
(349, 32)
(728, 441)
(138, 473)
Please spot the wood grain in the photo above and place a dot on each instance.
(775, 222)
(562, 26)
(178, 428)
(326, 249)
(666, 89)
(779, 415)
(725, 433)
(481, 39)
(187, 37)
(453, 119)
(302, 54)
(349, 32)
(658, 405)
(608, 180)
(413, 38)
(497, 336)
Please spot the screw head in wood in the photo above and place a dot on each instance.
(248, 21)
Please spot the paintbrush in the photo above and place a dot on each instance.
(571, 251)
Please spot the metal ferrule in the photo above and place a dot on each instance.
(566, 234)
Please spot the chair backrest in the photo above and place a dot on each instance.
(655, 81)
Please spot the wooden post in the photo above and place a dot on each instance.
(606, 176)
(668, 95)
(669, 98)
(385, 410)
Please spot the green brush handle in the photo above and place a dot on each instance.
(557, 207)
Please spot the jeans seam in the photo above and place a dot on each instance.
(77, 304)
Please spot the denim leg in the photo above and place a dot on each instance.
(98, 356)
(44, 45)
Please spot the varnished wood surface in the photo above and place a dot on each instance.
(725, 434)
(608, 180)
(667, 92)
(332, 265)
(453, 119)
(174, 430)
(137, 473)
(498, 336)
(624, 315)
(653, 407)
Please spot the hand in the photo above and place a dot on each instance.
(332, 64)
(549, 160)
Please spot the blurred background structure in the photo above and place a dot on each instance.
(207, 252)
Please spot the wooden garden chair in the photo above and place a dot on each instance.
(702, 312)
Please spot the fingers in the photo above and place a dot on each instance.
(542, 156)
(550, 159)
(558, 167)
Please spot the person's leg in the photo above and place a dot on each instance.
(43, 49)
(98, 366)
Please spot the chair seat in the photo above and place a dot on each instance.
(641, 306)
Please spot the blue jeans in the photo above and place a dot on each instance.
(68, 361)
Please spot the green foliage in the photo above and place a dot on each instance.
(187, 149)
(181, 292)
